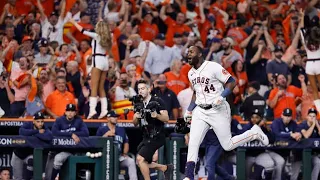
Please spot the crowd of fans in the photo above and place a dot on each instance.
(46, 62)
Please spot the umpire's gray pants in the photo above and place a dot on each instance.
(17, 166)
(131, 165)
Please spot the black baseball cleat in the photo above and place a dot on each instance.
(168, 174)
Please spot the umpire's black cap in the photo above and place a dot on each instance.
(38, 115)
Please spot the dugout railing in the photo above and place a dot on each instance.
(168, 154)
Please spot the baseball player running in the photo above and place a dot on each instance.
(209, 108)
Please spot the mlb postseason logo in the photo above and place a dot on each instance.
(11, 123)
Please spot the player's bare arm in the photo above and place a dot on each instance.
(163, 116)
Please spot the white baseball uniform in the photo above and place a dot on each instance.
(208, 82)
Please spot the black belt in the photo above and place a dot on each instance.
(316, 59)
(98, 55)
(205, 106)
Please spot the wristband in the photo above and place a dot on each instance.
(192, 105)
(226, 92)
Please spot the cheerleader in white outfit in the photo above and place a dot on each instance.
(310, 36)
(101, 43)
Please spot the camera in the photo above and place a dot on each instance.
(136, 99)
(145, 114)
(181, 126)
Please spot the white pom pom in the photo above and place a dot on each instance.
(92, 155)
(100, 154)
(88, 154)
(96, 155)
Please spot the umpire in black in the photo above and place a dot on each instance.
(150, 115)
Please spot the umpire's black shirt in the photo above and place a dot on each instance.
(255, 101)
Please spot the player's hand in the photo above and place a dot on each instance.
(298, 137)
(187, 116)
(75, 138)
(154, 114)
(108, 134)
(217, 101)
(301, 78)
(262, 123)
(186, 139)
(317, 123)
(280, 93)
(41, 131)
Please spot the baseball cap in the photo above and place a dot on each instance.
(160, 36)
(9, 16)
(185, 34)
(43, 42)
(257, 112)
(287, 112)
(229, 40)
(211, 18)
(71, 107)
(312, 110)
(54, 13)
(255, 85)
(215, 40)
(112, 114)
(130, 67)
(277, 49)
(38, 115)
(83, 14)
(26, 38)
(177, 35)
(146, 13)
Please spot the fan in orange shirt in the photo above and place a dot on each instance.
(175, 81)
(285, 96)
(240, 75)
(147, 29)
(185, 69)
(174, 26)
(85, 52)
(58, 99)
